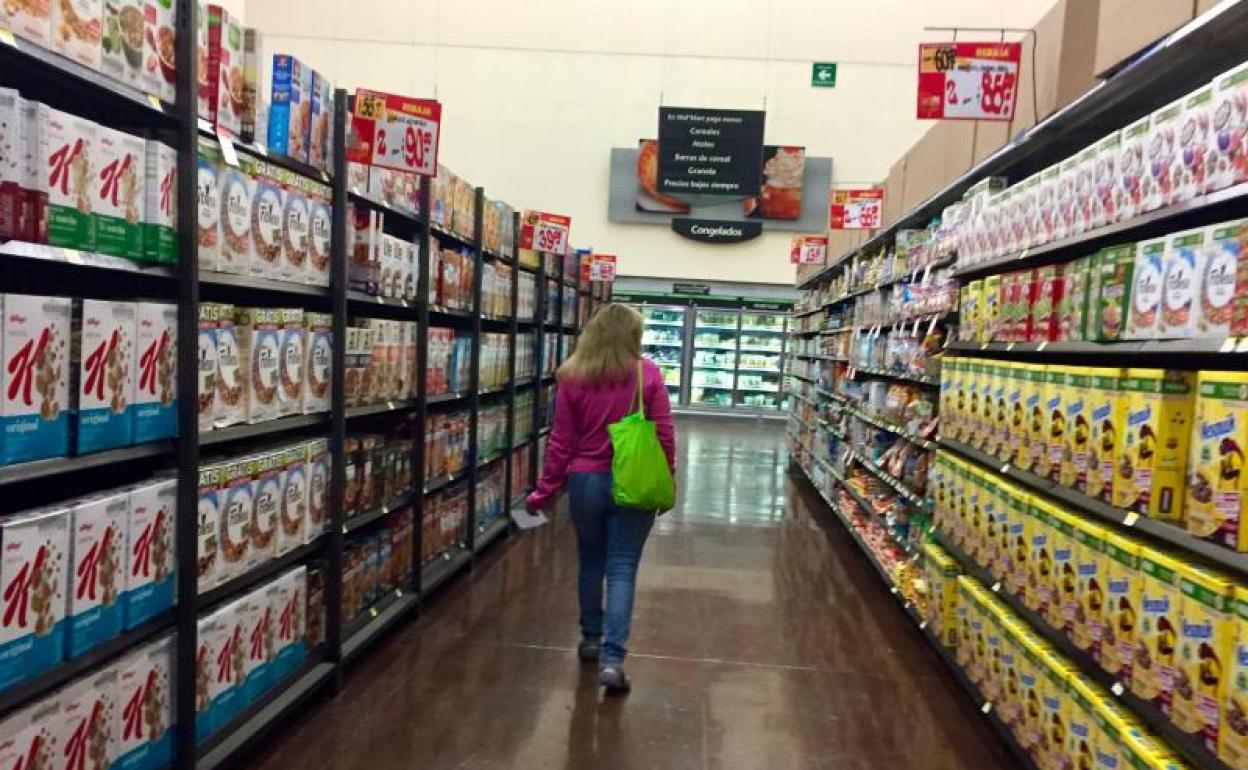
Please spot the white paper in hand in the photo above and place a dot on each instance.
(526, 520)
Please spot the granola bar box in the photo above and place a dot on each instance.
(34, 570)
(145, 694)
(97, 547)
(156, 393)
(34, 381)
(103, 372)
(149, 562)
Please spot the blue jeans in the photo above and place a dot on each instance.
(609, 540)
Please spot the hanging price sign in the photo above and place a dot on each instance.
(395, 132)
(808, 249)
(968, 81)
(602, 268)
(540, 231)
(856, 209)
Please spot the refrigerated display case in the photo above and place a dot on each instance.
(714, 357)
(663, 342)
(760, 360)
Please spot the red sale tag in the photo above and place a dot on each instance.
(395, 132)
(968, 81)
(856, 209)
(602, 268)
(545, 232)
(808, 249)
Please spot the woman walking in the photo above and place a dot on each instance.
(597, 387)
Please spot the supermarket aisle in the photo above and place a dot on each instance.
(761, 640)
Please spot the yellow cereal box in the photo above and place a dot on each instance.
(1015, 441)
(1152, 458)
(976, 546)
(949, 374)
(1054, 426)
(959, 431)
(1001, 396)
(990, 309)
(1122, 605)
(1206, 632)
(938, 486)
(964, 649)
(1010, 706)
(995, 430)
(1152, 671)
(1234, 731)
(1089, 586)
(1216, 478)
(1106, 410)
(969, 311)
(1017, 526)
(972, 424)
(1141, 751)
(1109, 723)
(990, 505)
(1065, 581)
(1039, 594)
(1030, 671)
(1081, 731)
(1031, 441)
(958, 508)
(992, 687)
(942, 574)
(1078, 430)
(1055, 705)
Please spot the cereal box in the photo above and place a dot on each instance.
(259, 356)
(1219, 282)
(293, 525)
(319, 467)
(1106, 407)
(267, 222)
(211, 503)
(103, 374)
(998, 432)
(1234, 730)
(1046, 318)
(206, 387)
(145, 696)
(91, 717)
(988, 517)
(1122, 604)
(296, 223)
(1206, 636)
(1227, 153)
(16, 204)
(1029, 446)
(293, 365)
(1153, 458)
(1078, 432)
(76, 30)
(1105, 181)
(1029, 727)
(35, 377)
(1119, 285)
(1184, 265)
(117, 202)
(67, 163)
(160, 237)
(259, 638)
(1085, 189)
(290, 111)
(208, 186)
(237, 498)
(225, 71)
(1055, 707)
(213, 670)
(941, 572)
(1039, 593)
(1090, 595)
(1017, 519)
(1135, 182)
(1071, 305)
(1163, 162)
(155, 399)
(1147, 290)
(253, 78)
(266, 475)
(122, 41)
(35, 736)
(231, 401)
(1053, 424)
(322, 97)
(97, 546)
(231, 663)
(1067, 205)
(34, 571)
(1152, 672)
(1192, 168)
(969, 311)
(32, 21)
(463, 216)
(238, 190)
(1215, 484)
(288, 595)
(149, 561)
(320, 216)
(1063, 607)
(159, 67)
(319, 360)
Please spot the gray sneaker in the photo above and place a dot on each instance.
(589, 651)
(613, 678)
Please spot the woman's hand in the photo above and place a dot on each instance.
(532, 506)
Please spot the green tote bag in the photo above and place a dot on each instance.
(640, 477)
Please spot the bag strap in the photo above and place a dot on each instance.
(641, 399)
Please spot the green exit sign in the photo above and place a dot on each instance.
(823, 74)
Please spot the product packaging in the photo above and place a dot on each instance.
(237, 194)
(238, 517)
(1219, 303)
(215, 657)
(267, 222)
(160, 237)
(322, 115)
(145, 694)
(1228, 152)
(1078, 431)
(155, 398)
(290, 111)
(1146, 290)
(97, 546)
(1089, 622)
(159, 47)
(207, 398)
(265, 469)
(117, 195)
(1085, 190)
(103, 374)
(91, 720)
(34, 569)
(1192, 168)
(320, 216)
(1118, 279)
(288, 596)
(319, 357)
(293, 525)
(209, 526)
(76, 30)
(232, 369)
(1206, 638)
(122, 42)
(224, 79)
(1152, 463)
(296, 223)
(1180, 298)
(1105, 181)
(293, 366)
(149, 562)
(253, 80)
(260, 633)
(34, 401)
(1216, 482)
(259, 355)
(1122, 605)
(32, 21)
(1134, 179)
(67, 165)
(319, 466)
(1106, 407)
(17, 202)
(208, 186)
(1163, 161)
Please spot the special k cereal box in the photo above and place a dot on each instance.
(1160, 183)
(1192, 169)
(1152, 461)
(230, 697)
(211, 503)
(103, 374)
(91, 717)
(97, 549)
(68, 166)
(237, 192)
(1147, 290)
(35, 377)
(292, 371)
(237, 497)
(1152, 673)
(1228, 154)
(259, 640)
(266, 478)
(1134, 180)
(34, 736)
(320, 218)
(1219, 304)
(145, 696)
(288, 596)
(1206, 636)
(34, 570)
(1180, 293)
(160, 222)
(1107, 416)
(213, 670)
(149, 561)
(318, 330)
(76, 30)
(231, 399)
(292, 530)
(1215, 480)
(1122, 605)
(118, 198)
(259, 355)
(155, 398)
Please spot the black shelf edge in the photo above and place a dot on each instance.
(37, 254)
(382, 408)
(443, 398)
(801, 377)
(443, 234)
(527, 268)
(55, 466)
(525, 383)
(1158, 531)
(363, 300)
(448, 312)
(263, 715)
(262, 153)
(1211, 206)
(368, 517)
(493, 391)
(438, 571)
(249, 284)
(444, 481)
(495, 457)
(495, 319)
(257, 575)
(1147, 712)
(543, 431)
(1134, 348)
(491, 532)
(267, 428)
(889, 479)
(930, 382)
(28, 690)
(382, 617)
(355, 194)
(892, 428)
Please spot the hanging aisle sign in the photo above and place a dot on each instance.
(856, 209)
(602, 267)
(395, 132)
(808, 249)
(540, 231)
(968, 81)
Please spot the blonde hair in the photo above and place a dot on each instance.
(608, 347)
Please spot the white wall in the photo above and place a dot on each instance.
(536, 93)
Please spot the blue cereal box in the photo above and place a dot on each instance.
(290, 110)
(145, 707)
(149, 559)
(34, 569)
(103, 370)
(156, 393)
(97, 547)
(259, 641)
(34, 399)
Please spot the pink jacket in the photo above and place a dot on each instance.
(578, 440)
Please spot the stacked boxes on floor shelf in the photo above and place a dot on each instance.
(377, 563)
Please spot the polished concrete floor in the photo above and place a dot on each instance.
(761, 640)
